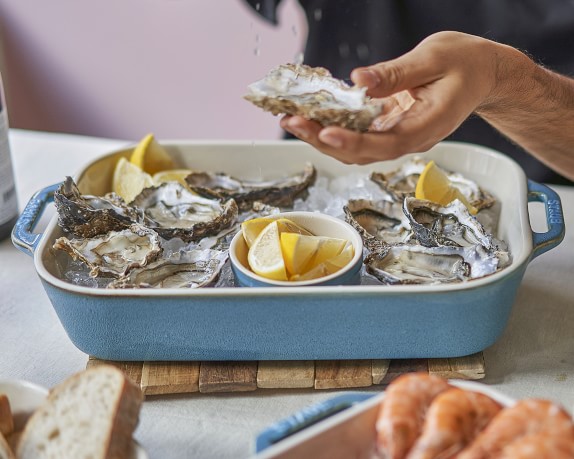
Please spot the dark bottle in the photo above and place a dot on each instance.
(8, 199)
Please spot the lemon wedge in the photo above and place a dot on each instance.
(150, 156)
(172, 175)
(252, 228)
(297, 250)
(329, 247)
(129, 180)
(265, 257)
(434, 185)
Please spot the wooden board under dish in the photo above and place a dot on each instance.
(160, 378)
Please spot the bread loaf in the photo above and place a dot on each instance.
(93, 414)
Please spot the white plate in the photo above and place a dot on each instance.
(25, 397)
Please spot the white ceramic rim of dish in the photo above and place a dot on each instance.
(319, 290)
(356, 241)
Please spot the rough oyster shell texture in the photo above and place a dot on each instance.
(280, 192)
(89, 216)
(173, 211)
(413, 241)
(402, 183)
(193, 269)
(313, 93)
(115, 253)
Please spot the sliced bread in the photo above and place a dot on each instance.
(5, 450)
(92, 414)
(6, 419)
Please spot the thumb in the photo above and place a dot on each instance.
(409, 71)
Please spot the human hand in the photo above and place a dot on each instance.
(427, 94)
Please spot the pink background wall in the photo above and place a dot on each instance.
(122, 68)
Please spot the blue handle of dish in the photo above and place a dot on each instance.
(305, 418)
(543, 242)
(22, 236)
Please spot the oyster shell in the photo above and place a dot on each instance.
(87, 216)
(414, 264)
(434, 225)
(313, 93)
(281, 192)
(194, 269)
(402, 183)
(116, 252)
(378, 222)
(173, 211)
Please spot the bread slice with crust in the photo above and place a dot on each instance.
(5, 450)
(92, 414)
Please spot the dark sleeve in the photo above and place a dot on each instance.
(266, 9)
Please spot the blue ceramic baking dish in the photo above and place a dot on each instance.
(297, 323)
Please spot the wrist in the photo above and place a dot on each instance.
(514, 74)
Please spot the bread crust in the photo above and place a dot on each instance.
(123, 417)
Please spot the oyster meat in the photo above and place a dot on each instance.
(378, 222)
(415, 264)
(434, 225)
(193, 269)
(173, 211)
(87, 216)
(116, 252)
(313, 93)
(280, 192)
(402, 183)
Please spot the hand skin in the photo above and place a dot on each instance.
(431, 90)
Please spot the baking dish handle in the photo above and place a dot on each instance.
(22, 236)
(543, 242)
(305, 418)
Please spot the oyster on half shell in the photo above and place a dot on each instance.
(115, 253)
(87, 216)
(378, 222)
(313, 93)
(280, 192)
(173, 211)
(193, 269)
(402, 182)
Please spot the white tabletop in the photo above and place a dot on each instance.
(533, 358)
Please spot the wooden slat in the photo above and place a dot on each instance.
(468, 367)
(380, 370)
(400, 366)
(227, 376)
(188, 377)
(285, 374)
(170, 377)
(133, 370)
(336, 374)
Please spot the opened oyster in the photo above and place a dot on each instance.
(173, 211)
(452, 246)
(89, 216)
(378, 222)
(197, 268)
(115, 253)
(434, 225)
(281, 192)
(314, 94)
(402, 183)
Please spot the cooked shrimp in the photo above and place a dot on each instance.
(526, 417)
(403, 411)
(454, 419)
(540, 446)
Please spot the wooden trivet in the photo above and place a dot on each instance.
(160, 378)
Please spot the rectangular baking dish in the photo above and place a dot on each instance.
(341, 427)
(297, 323)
